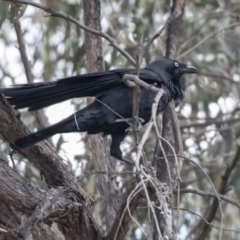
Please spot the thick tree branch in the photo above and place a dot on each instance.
(100, 148)
(43, 206)
(170, 125)
(50, 165)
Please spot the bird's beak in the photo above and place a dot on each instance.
(189, 70)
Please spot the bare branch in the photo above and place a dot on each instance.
(218, 200)
(53, 13)
(210, 224)
(206, 38)
(44, 206)
(40, 116)
(218, 76)
(222, 190)
(210, 122)
(157, 34)
(209, 194)
(123, 218)
(138, 81)
(22, 49)
(100, 148)
(47, 161)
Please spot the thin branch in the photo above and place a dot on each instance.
(209, 194)
(217, 199)
(121, 222)
(205, 220)
(156, 35)
(206, 38)
(218, 76)
(210, 122)
(138, 81)
(150, 124)
(222, 190)
(22, 49)
(40, 116)
(53, 13)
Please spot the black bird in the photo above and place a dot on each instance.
(113, 104)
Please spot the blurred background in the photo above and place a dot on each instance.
(209, 115)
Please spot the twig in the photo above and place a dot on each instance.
(138, 81)
(210, 224)
(11, 157)
(206, 38)
(157, 34)
(40, 116)
(150, 204)
(215, 191)
(209, 194)
(163, 151)
(53, 13)
(222, 190)
(22, 49)
(136, 99)
(219, 76)
(209, 122)
(130, 196)
(150, 124)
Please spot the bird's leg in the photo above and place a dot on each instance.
(115, 150)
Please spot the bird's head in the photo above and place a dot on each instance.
(170, 72)
(169, 68)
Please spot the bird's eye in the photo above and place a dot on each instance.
(176, 64)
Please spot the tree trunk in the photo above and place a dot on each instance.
(100, 148)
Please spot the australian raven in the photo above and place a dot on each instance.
(113, 102)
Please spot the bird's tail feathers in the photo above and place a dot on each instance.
(36, 137)
(39, 95)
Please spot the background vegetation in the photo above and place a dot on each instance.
(209, 116)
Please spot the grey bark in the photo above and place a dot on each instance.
(170, 129)
(100, 149)
(72, 207)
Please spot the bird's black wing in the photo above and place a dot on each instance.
(39, 95)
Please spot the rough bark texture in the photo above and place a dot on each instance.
(170, 125)
(8, 218)
(122, 221)
(66, 201)
(100, 149)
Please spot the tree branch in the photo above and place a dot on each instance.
(170, 126)
(100, 148)
(210, 122)
(40, 116)
(50, 165)
(222, 190)
(43, 206)
(209, 194)
(206, 38)
(54, 13)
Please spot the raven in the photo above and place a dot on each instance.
(112, 108)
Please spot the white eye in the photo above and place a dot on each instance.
(176, 64)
